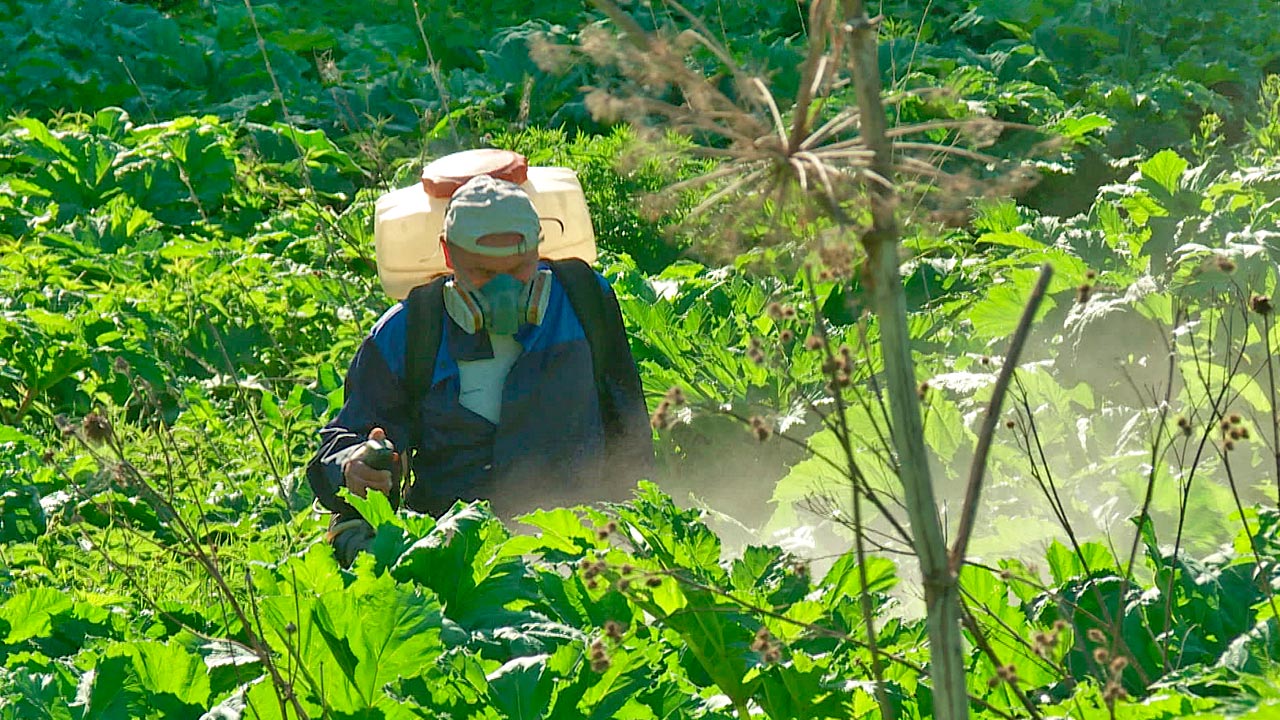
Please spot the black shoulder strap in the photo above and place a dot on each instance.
(425, 306)
(587, 298)
(601, 320)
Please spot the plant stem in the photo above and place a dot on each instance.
(868, 611)
(969, 513)
(942, 597)
(1275, 417)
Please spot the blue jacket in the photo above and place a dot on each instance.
(549, 448)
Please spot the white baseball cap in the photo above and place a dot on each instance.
(485, 205)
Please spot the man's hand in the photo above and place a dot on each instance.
(359, 477)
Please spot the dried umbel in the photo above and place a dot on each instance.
(1184, 425)
(675, 397)
(800, 161)
(760, 428)
(763, 643)
(599, 656)
(96, 428)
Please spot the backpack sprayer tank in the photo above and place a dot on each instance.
(408, 221)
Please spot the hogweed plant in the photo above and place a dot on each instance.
(817, 170)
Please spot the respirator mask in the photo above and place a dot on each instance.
(501, 306)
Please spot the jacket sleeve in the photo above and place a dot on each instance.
(628, 436)
(373, 396)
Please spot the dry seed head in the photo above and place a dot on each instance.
(121, 366)
(760, 428)
(1043, 638)
(653, 581)
(1225, 264)
(788, 312)
(774, 310)
(47, 456)
(1101, 655)
(1244, 433)
(923, 390)
(772, 655)
(1260, 304)
(614, 630)
(1235, 433)
(1096, 635)
(1235, 419)
(597, 650)
(1060, 625)
(1119, 663)
(1083, 293)
(1091, 275)
(1113, 692)
(623, 584)
(1008, 673)
(96, 427)
(674, 397)
(992, 682)
(813, 342)
(837, 260)
(1010, 424)
(1228, 446)
(786, 336)
(660, 420)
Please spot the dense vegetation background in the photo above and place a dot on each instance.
(186, 267)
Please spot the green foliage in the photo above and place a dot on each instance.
(186, 246)
(399, 637)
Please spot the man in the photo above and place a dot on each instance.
(514, 410)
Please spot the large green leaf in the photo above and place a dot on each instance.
(1165, 169)
(30, 613)
(521, 688)
(380, 632)
(168, 670)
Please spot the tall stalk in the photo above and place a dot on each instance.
(942, 596)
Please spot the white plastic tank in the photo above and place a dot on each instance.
(408, 221)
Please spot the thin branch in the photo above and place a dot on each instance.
(977, 468)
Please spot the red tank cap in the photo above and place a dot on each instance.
(443, 176)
